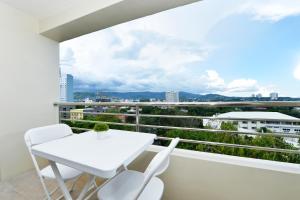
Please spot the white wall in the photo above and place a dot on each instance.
(29, 84)
(195, 175)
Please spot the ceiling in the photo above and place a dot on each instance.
(42, 9)
(62, 20)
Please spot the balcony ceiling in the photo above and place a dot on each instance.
(42, 9)
(62, 20)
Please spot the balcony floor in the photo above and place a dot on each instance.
(27, 186)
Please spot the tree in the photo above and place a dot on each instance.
(264, 130)
(265, 141)
(229, 126)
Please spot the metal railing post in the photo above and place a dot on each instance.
(137, 118)
(59, 115)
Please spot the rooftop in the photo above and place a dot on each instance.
(257, 115)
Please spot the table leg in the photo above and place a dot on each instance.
(60, 181)
(86, 187)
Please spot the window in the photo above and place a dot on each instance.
(287, 123)
(272, 122)
(286, 130)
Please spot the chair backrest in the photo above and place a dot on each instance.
(159, 163)
(47, 133)
(161, 160)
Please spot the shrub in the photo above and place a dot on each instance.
(99, 127)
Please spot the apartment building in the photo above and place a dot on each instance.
(172, 96)
(275, 121)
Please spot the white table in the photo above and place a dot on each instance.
(97, 157)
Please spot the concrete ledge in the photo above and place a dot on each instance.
(196, 175)
(234, 160)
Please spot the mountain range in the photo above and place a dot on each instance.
(183, 96)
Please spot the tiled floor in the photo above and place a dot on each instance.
(28, 187)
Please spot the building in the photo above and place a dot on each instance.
(103, 99)
(274, 96)
(172, 96)
(253, 121)
(275, 121)
(76, 114)
(88, 100)
(66, 88)
(259, 95)
(65, 111)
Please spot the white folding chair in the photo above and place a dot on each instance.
(132, 185)
(45, 134)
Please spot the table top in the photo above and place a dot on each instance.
(100, 157)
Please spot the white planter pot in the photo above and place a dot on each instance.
(102, 135)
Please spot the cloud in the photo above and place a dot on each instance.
(297, 72)
(66, 57)
(132, 60)
(213, 82)
(271, 10)
(243, 85)
(146, 55)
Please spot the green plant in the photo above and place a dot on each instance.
(99, 127)
(229, 126)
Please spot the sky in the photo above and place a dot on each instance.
(232, 47)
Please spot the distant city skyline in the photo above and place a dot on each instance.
(232, 48)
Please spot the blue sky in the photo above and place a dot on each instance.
(234, 48)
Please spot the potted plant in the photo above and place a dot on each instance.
(101, 129)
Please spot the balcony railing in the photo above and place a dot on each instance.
(138, 115)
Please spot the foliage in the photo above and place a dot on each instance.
(103, 118)
(264, 141)
(195, 123)
(264, 130)
(229, 126)
(99, 127)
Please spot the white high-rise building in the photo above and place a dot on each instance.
(172, 96)
(66, 88)
(274, 96)
(259, 95)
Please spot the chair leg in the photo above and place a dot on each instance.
(60, 181)
(73, 183)
(52, 192)
(48, 195)
(70, 190)
(56, 188)
(86, 187)
(95, 184)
